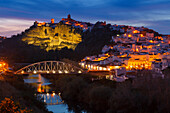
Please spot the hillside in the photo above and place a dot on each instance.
(67, 39)
(94, 40)
(50, 38)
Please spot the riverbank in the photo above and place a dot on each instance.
(12, 86)
(143, 94)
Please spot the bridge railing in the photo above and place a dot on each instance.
(49, 67)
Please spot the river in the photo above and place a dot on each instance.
(46, 94)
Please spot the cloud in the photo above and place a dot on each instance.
(10, 27)
(132, 12)
(161, 26)
(81, 3)
(131, 23)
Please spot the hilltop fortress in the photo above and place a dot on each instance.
(67, 21)
(52, 36)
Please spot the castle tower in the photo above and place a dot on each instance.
(69, 16)
(52, 21)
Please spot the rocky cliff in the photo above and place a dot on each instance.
(52, 38)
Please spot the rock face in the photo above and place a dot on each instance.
(53, 37)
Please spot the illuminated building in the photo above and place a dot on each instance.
(52, 21)
(136, 31)
(138, 64)
(129, 35)
(41, 24)
(141, 35)
(3, 66)
(76, 24)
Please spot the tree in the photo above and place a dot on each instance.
(9, 106)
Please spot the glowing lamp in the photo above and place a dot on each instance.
(39, 89)
(54, 71)
(66, 71)
(47, 94)
(82, 64)
(135, 31)
(22, 72)
(53, 93)
(79, 71)
(59, 94)
(129, 35)
(117, 67)
(94, 68)
(151, 41)
(137, 50)
(59, 71)
(141, 35)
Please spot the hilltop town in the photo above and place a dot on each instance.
(131, 48)
(135, 48)
(111, 47)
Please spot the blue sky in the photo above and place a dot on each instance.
(17, 15)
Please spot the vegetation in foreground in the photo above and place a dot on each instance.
(9, 106)
(13, 92)
(144, 94)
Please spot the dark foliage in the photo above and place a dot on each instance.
(20, 92)
(141, 95)
(94, 40)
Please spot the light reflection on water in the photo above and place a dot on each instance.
(54, 102)
(35, 79)
(41, 83)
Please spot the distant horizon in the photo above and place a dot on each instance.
(17, 15)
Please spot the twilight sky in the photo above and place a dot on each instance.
(17, 15)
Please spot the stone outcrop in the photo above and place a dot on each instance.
(52, 38)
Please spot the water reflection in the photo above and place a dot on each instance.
(41, 83)
(50, 99)
(44, 92)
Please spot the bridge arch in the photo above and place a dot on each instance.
(50, 67)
